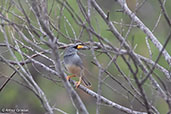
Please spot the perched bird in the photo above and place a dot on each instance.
(74, 64)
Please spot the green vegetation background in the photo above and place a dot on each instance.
(17, 96)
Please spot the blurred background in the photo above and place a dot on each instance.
(17, 95)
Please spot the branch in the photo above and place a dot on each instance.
(128, 48)
(166, 16)
(77, 102)
(5, 83)
(107, 101)
(152, 69)
(141, 25)
(25, 75)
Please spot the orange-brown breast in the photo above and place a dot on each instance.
(74, 69)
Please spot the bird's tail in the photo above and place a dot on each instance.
(86, 82)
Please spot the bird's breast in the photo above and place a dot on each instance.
(73, 69)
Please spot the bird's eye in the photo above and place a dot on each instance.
(75, 46)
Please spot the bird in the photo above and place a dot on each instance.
(74, 65)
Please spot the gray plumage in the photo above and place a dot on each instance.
(71, 57)
(74, 64)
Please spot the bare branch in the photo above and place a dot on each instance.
(144, 29)
(107, 101)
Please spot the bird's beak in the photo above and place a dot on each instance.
(80, 46)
